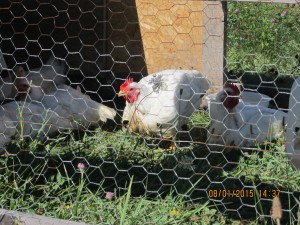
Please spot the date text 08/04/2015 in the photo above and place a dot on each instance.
(243, 193)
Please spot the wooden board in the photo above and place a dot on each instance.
(172, 33)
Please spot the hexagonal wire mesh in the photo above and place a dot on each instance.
(62, 58)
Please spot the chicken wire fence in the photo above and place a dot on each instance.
(77, 103)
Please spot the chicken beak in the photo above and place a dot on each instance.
(121, 93)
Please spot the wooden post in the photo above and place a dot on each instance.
(14, 217)
(185, 34)
(171, 33)
(213, 55)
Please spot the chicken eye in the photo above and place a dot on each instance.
(228, 92)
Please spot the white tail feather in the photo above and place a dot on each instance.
(106, 113)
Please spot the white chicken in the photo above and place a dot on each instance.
(237, 124)
(40, 81)
(48, 105)
(162, 103)
(8, 90)
(292, 144)
(77, 107)
(6, 83)
(28, 120)
(66, 101)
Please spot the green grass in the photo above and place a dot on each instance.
(151, 183)
(262, 37)
(200, 118)
(61, 200)
(270, 166)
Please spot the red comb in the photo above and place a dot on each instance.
(129, 80)
(234, 88)
(126, 84)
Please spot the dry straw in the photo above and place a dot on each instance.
(276, 210)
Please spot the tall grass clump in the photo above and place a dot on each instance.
(263, 37)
